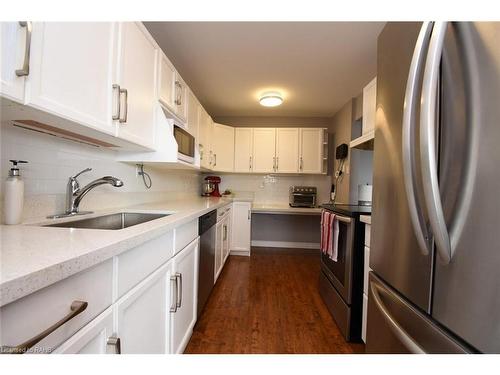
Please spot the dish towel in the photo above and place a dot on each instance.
(329, 234)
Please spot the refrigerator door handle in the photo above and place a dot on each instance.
(428, 142)
(398, 331)
(408, 137)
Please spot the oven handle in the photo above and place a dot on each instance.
(305, 194)
(344, 219)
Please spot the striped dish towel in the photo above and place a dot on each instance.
(329, 234)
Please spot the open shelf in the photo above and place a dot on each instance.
(365, 142)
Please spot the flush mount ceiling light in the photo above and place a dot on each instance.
(271, 99)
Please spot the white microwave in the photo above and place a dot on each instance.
(185, 144)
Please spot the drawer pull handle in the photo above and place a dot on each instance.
(77, 307)
(116, 343)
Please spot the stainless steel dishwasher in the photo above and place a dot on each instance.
(207, 258)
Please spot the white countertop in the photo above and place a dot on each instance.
(367, 219)
(33, 257)
(284, 209)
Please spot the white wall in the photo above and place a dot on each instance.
(52, 160)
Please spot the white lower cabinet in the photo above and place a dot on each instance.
(142, 318)
(183, 313)
(219, 235)
(241, 222)
(95, 338)
(226, 230)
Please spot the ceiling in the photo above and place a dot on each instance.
(318, 66)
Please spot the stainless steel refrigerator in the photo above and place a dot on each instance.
(435, 255)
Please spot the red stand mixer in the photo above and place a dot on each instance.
(211, 186)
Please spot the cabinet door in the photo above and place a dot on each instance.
(219, 245)
(93, 338)
(311, 151)
(166, 91)
(369, 106)
(142, 318)
(241, 227)
(138, 77)
(223, 148)
(181, 97)
(13, 39)
(72, 69)
(193, 108)
(226, 236)
(243, 138)
(264, 142)
(184, 318)
(204, 142)
(287, 150)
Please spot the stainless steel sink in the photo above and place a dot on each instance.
(116, 221)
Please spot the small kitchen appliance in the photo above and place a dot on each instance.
(303, 196)
(214, 181)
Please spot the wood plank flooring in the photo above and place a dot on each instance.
(268, 303)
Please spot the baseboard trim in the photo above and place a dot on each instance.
(285, 244)
(244, 253)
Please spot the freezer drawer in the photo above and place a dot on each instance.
(395, 326)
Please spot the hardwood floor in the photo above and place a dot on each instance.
(268, 303)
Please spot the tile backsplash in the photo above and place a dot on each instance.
(270, 189)
(52, 160)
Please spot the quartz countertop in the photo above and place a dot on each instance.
(33, 257)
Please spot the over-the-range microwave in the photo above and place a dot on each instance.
(185, 143)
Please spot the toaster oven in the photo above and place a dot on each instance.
(303, 196)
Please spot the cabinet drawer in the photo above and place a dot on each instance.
(365, 314)
(136, 264)
(26, 318)
(185, 234)
(367, 234)
(366, 270)
(223, 211)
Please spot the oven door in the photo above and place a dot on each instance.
(340, 273)
(303, 200)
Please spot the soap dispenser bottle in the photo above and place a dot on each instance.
(14, 195)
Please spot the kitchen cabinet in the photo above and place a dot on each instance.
(219, 235)
(311, 150)
(204, 134)
(173, 91)
(137, 84)
(243, 149)
(72, 68)
(185, 266)
(193, 115)
(287, 150)
(223, 148)
(142, 320)
(264, 147)
(95, 338)
(14, 39)
(241, 221)
(226, 234)
(369, 106)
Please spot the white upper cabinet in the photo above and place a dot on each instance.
(71, 71)
(184, 317)
(173, 91)
(204, 133)
(223, 148)
(193, 116)
(166, 91)
(264, 143)
(369, 106)
(311, 150)
(287, 150)
(243, 147)
(137, 81)
(15, 42)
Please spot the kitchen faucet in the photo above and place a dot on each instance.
(75, 194)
